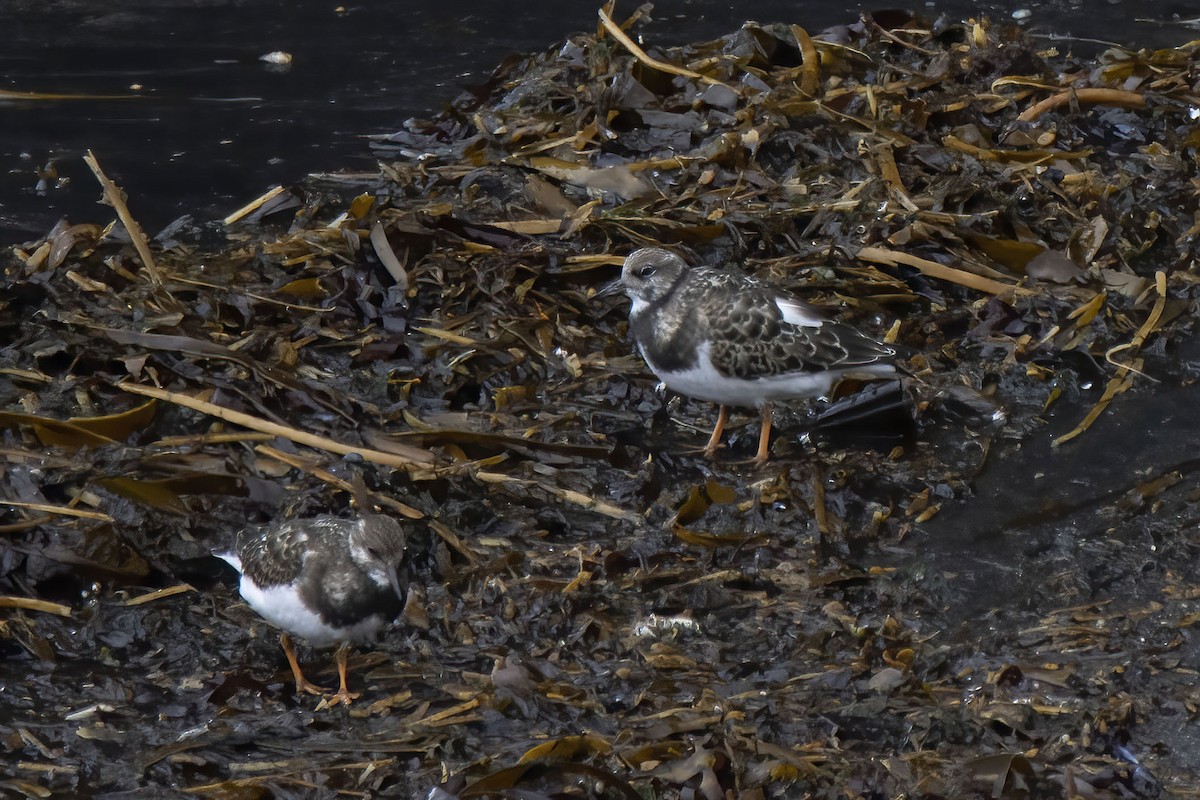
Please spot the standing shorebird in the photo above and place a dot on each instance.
(325, 579)
(736, 341)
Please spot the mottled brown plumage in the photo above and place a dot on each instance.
(734, 340)
(326, 579)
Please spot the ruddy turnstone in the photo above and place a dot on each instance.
(736, 341)
(325, 579)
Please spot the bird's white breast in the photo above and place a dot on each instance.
(282, 607)
(703, 382)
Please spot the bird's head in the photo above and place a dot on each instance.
(647, 276)
(377, 546)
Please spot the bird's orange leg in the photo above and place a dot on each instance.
(343, 694)
(764, 435)
(714, 441)
(302, 683)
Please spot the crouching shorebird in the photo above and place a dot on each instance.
(736, 341)
(325, 579)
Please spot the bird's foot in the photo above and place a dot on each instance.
(307, 687)
(747, 462)
(708, 452)
(303, 684)
(342, 696)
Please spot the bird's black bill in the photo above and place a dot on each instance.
(609, 289)
(394, 580)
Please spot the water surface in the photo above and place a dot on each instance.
(210, 126)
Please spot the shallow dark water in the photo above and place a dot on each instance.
(212, 126)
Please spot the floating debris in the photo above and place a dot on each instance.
(276, 57)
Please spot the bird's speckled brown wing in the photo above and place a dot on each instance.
(750, 338)
(276, 556)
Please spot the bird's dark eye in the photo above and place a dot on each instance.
(646, 272)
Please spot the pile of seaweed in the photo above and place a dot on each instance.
(597, 610)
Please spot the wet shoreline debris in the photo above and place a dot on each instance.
(595, 609)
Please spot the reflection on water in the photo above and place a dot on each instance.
(211, 126)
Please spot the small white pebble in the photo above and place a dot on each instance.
(1022, 13)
